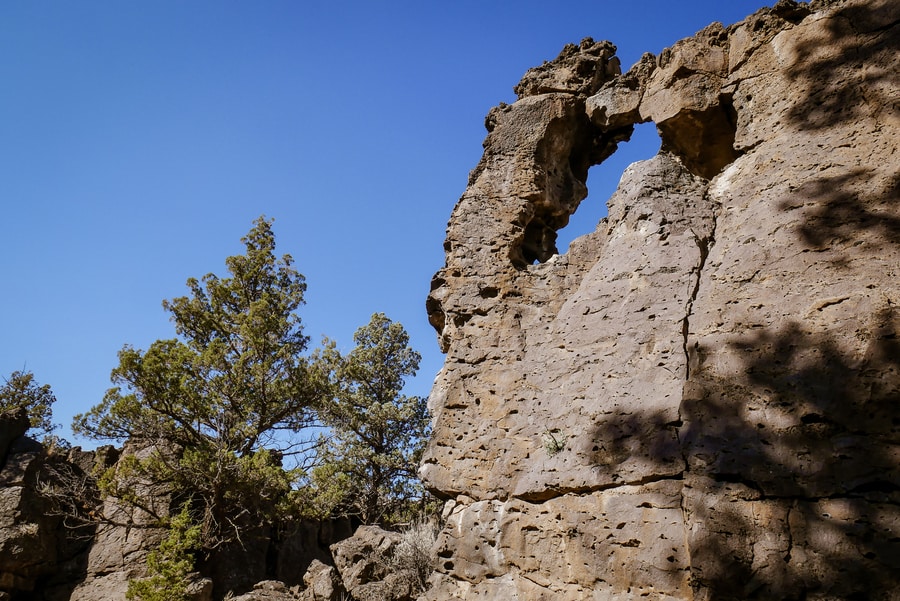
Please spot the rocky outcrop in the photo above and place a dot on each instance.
(45, 531)
(13, 426)
(365, 567)
(125, 535)
(700, 399)
(28, 542)
(61, 541)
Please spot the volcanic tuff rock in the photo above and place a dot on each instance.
(700, 399)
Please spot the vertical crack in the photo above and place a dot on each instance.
(704, 245)
(685, 523)
(790, 535)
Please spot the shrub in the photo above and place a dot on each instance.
(170, 565)
(414, 557)
(20, 391)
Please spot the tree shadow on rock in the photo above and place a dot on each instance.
(790, 463)
(794, 467)
(848, 210)
(850, 73)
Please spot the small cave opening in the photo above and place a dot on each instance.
(602, 181)
(703, 140)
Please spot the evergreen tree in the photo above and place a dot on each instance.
(368, 463)
(227, 399)
(21, 391)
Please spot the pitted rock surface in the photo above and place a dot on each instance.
(700, 399)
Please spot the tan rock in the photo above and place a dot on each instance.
(700, 399)
(322, 582)
(269, 590)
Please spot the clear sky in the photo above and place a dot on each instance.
(139, 140)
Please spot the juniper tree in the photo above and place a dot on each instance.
(21, 391)
(368, 463)
(226, 399)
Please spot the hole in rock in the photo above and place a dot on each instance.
(703, 140)
(603, 180)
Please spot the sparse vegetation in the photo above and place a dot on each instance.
(218, 410)
(227, 400)
(554, 442)
(170, 565)
(21, 391)
(368, 461)
(413, 559)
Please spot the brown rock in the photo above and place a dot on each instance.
(322, 582)
(28, 534)
(360, 558)
(578, 69)
(701, 399)
(363, 562)
(200, 588)
(45, 529)
(13, 425)
(269, 590)
(127, 534)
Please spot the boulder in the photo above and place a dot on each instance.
(269, 590)
(365, 567)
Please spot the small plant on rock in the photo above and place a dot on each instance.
(554, 442)
(21, 391)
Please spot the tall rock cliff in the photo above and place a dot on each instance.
(700, 399)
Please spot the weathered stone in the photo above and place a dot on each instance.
(365, 567)
(580, 69)
(44, 528)
(13, 425)
(200, 588)
(322, 582)
(573, 546)
(124, 538)
(269, 590)
(701, 399)
(617, 104)
(29, 540)
(360, 559)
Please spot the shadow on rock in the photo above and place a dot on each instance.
(850, 73)
(794, 468)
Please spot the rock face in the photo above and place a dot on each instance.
(701, 399)
(43, 541)
(61, 541)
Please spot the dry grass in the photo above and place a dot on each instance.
(413, 557)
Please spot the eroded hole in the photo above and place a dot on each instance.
(603, 180)
(703, 140)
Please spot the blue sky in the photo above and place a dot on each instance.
(139, 140)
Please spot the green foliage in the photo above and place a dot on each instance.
(21, 390)
(554, 442)
(228, 398)
(214, 411)
(170, 564)
(367, 466)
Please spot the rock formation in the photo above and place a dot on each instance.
(700, 399)
(60, 540)
(43, 541)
